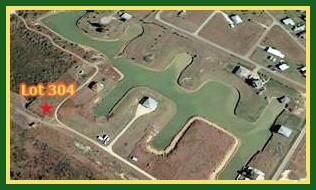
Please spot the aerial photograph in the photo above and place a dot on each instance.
(158, 94)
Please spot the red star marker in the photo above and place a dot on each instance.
(46, 108)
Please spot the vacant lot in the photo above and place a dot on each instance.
(190, 20)
(239, 39)
(198, 154)
(46, 153)
(297, 164)
(141, 14)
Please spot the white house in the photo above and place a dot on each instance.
(282, 66)
(275, 52)
(236, 19)
(299, 28)
(125, 16)
(288, 21)
(149, 102)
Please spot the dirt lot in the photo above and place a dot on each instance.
(297, 164)
(46, 153)
(239, 39)
(197, 155)
(143, 14)
(190, 21)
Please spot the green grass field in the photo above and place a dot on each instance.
(215, 101)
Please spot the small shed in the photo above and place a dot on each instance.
(256, 83)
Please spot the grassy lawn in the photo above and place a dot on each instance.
(215, 101)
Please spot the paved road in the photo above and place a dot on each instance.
(289, 155)
(196, 36)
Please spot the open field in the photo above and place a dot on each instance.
(155, 47)
(239, 39)
(270, 158)
(215, 101)
(297, 164)
(184, 161)
(141, 14)
(46, 153)
(190, 20)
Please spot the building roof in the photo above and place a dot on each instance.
(250, 173)
(285, 131)
(288, 21)
(282, 66)
(275, 52)
(284, 99)
(125, 16)
(257, 83)
(299, 28)
(242, 72)
(236, 19)
(149, 102)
